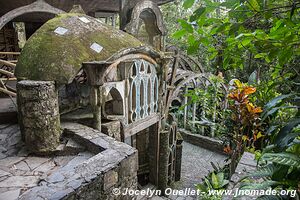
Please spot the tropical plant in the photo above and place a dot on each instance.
(242, 37)
(279, 162)
(216, 180)
(246, 118)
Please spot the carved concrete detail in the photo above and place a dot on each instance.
(146, 12)
(38, 6)
(143, 96)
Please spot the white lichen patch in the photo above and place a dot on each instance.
(96, 47)
(60, 30)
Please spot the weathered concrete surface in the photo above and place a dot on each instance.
(20, 170)
(203, 141)
(78, 38)
(82, 175)
(112, 129)
(39, 115)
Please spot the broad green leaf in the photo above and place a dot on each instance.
(277, 24)
(184, 24)
(188, 3)
(280, 172)
(260, 55)
(246, 41)
(265, 171)
(258, 186)
(287, 159)
(213, 55)
(253, 5)
(274, 110)
(234, 28)
(197, 13)
(285, 56)
(179, 34)
(276, 100)
(252, 78)
(285, 136)
(215, 182)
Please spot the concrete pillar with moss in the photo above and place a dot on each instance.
(163, 161)
(39, 115)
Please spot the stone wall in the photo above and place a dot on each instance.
(203, 141)
(106, 165)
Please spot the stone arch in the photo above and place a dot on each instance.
(37, 6)
(114, 103)
(152, 17)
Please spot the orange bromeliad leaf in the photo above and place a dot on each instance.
(251, 108)
(257, 110)
(249, 90)
(234, 95)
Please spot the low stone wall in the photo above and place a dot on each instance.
(203, 141)
(115, 165)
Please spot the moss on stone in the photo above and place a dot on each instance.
(49, 56)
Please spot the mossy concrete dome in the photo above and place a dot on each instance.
(56, 51)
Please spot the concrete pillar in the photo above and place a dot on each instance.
(178, 159)
(163, 161)
(39, 115)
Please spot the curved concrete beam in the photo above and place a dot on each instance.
(38, 6)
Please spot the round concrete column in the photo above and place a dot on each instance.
(39, 115)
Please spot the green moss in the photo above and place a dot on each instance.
(48, 56)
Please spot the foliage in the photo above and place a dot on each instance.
(257, 36)
(279, 162)
(215, 180)
(256, 42)
(245, 115)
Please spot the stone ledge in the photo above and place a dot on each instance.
(114, 166)
(203, 141)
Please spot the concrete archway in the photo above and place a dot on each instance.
(150, 14)
(38, 6)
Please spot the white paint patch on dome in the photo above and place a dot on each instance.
(96, 47)
(84, 20)
(60, 30)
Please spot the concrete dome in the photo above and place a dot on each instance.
(56, 51)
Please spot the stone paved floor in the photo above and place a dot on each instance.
(20, 170)
(195, 165)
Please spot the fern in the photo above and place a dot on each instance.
(287, 159)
